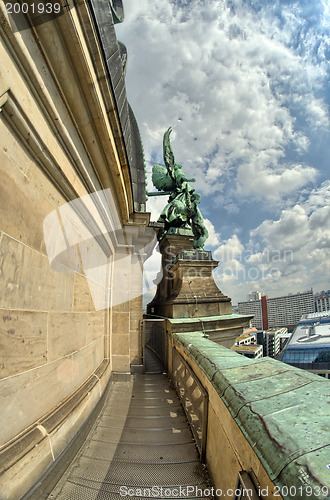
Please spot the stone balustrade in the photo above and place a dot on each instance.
(264, 417)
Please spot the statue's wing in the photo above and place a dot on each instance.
(168, 153)
(161, 179)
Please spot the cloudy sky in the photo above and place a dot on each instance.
(245, 86)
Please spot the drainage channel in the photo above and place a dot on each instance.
(140, 447)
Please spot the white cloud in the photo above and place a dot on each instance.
(317, 114)
(289, 254)
(243, 89)
(214, 238)
(224, 84)
(152, 273)
(155, 206)
(228, 272)
(229, 250)
(262, 181)
(319, 197)
(297, 244)
(287, 232)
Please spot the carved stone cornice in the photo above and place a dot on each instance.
(96, 150)
(15, 118)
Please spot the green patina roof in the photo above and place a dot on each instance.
(282, 411)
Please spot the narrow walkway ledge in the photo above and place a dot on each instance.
(282, 411)
(139, 447)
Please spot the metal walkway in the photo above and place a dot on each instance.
(139, 447)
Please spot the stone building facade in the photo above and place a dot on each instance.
(68, 320)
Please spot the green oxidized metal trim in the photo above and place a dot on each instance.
(117, 11)
(316, 464)
(282, 411)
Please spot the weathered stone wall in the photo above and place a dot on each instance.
(52, 338)
(60, 139)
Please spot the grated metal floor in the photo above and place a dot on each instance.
(140, 447)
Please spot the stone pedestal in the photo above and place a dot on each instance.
(187, 296)
(187, 288)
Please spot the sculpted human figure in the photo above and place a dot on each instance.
(182, 209)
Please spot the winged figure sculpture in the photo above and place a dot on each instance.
(181, 210)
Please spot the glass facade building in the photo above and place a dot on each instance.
(309, 345)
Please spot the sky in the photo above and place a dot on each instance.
(244, 84)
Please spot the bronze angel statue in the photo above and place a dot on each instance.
(182, 209)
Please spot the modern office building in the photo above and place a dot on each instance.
(249, 351)
(248, 337)
(255, 295)
(271, 341)
(246, 344)
(309, 346)
(322, 301)
(284, 311)
(252, 307)
(288, 309)
(284, 339)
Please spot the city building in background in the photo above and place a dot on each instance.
(246, 344)
(251, 307)
(309, 346)
(276, 312)
(250, 351)
(322, 301)
(248, 337)
(256, 295)
(284, 339)
(287, 310)
(271, 341)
